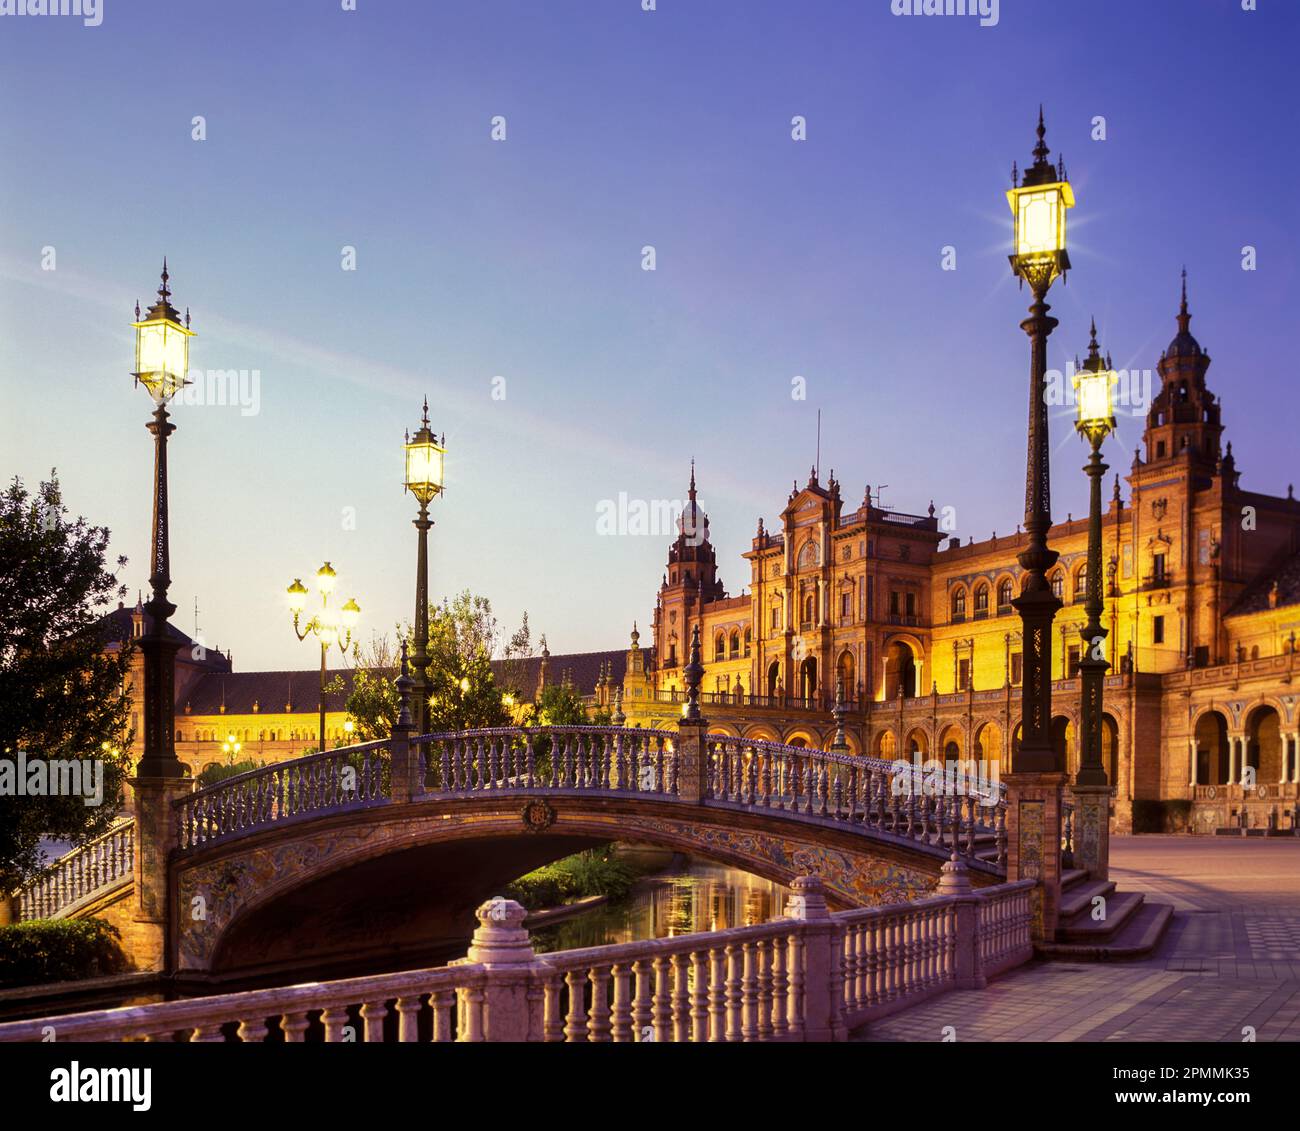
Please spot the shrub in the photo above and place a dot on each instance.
(57, 950)
(214, 774)
(594, 872)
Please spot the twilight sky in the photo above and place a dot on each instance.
(522, 259)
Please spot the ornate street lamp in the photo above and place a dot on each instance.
(424, 479)
(1038, 204)
(230, 748)
(330, 626)
(161, 363)
(1093, 383)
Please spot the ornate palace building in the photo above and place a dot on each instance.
(1202, 611)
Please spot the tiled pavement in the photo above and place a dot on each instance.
(1230, 959)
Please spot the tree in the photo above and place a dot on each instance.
(463, 694)
(62, 695)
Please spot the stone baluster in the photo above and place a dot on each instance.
(681, 1004)
(621, 1015)
(641, 1005)
(699, 999)
(408, 1019)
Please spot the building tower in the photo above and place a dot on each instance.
(690, 583)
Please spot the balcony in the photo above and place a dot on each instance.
(1158, 580)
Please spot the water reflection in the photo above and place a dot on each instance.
(699, 897)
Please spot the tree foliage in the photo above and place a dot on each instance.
(464, 692)
(62, 696)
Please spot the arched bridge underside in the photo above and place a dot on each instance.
(329, 857)
(388, 879)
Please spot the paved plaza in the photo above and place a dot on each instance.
(1230, 959)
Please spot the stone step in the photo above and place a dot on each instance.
(1140, 936)
(1120, 908)
(1072, 876)
(1079, 896)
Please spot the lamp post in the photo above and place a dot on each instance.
(1096, 419)
(162, 347)
(1038, 203)
(330, 626)
(1034, 787)
(231, 748)
(424, 479)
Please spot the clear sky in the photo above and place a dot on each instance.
(522, 259)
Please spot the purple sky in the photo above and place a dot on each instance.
(522, 259)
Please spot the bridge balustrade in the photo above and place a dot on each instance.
(808, 975)
(330, 781)
(98, 866)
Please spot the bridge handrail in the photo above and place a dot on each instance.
(202, 1017)
(542, 732)
(272, 794)
(99, 865)
(258, 771)
(807, 973)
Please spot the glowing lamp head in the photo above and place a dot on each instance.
(162, 346)
(464, 685)
(349, 726)
(297, 593)
(349, 613)
(325, 579)
(424, 461)
(1093, 382)
(1039, 203)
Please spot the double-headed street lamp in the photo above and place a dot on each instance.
(424, 479)
(330, 626)
(1038, 203)
(1096, 420)
(162, 350)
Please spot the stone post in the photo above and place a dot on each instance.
(155, 837)
(820, 939)
(1092, 829)
(403, 759)
(1034, 843)
(501, 944)
(692, 749)
(954, 880)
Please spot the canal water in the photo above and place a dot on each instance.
(693, 896)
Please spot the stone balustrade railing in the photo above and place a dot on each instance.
(95, 868)
(810, 975)
(619, 759)
(939, 807)
(945, 814)
(330, 781)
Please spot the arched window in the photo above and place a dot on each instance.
(959, 603)
(982, 599)
(735, 644)
(1058, 584)
(1004, 593)
(748, 640)
(719, 647)
(809, 603)
(1081, 584)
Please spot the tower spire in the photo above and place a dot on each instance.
(691, 491)
(1183, 317)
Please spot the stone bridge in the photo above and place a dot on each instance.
(385, 848)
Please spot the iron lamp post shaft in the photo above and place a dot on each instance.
(1037, 604)
(420, 655)
(1093, 665)
(159, 649)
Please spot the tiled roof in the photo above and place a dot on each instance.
(273, 690)
(118, 627)
(1255, 598)
(582, 667)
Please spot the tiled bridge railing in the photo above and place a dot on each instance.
(870, 796)
(810, 975)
